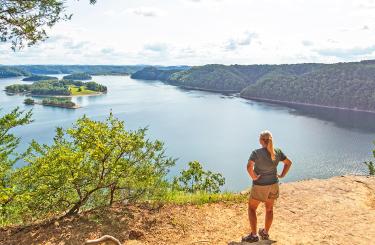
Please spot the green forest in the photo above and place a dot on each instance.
(34, 78)
(339, 85)
(56, 88)
(346, 85)
(7, 71)
(58, 102)
(78, 76)
(28, 70)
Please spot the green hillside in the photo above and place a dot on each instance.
(348, 85)
(8, 71)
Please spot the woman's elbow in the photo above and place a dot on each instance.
(288, 162)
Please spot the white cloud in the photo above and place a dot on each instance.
(156, 47)
(145, 11)
(346, 52)
(196, 32)
(307, 43)
(245, 40)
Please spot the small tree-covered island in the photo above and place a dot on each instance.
(54, 102)
(35, 78)
(78, 76)
(57, 88)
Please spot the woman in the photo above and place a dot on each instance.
(262, 168)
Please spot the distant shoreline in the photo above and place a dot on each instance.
(283, 102)
(209, 90)
(279, 102)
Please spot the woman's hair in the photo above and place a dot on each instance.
(267, 137)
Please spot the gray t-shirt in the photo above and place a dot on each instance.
(265, 167)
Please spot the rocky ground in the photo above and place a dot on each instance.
(340, 210)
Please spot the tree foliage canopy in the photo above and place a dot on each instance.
(92, 164)
(53, 87)
(24, 22)
(8, 157)
(196, 179)
(348, 85)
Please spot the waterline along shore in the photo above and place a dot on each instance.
(283, 102)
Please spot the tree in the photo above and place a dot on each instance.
(371, 167)
(26, 21)
(92, 164)
(8, 144)
(195, 179)
(29, 101)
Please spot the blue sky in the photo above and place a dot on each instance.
(196, 32)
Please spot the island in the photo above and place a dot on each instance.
(34, 78)
(29, 101)
(57, 93)
(59, 88)
(78, 76)
(54, 102)
(59, 102)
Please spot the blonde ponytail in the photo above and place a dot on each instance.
(267, 136)
(270, 149)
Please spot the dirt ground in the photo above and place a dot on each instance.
(340, 210)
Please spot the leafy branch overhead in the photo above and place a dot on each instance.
(25, 22)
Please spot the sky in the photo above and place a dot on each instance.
(198, 32)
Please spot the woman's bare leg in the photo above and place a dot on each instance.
(269, 214)
(252, 208)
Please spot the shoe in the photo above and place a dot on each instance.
(250, 238)
(262, 233)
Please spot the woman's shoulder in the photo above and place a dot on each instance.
(278, 149)
(259, 150)
(280, 153)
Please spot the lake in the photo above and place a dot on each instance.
(218, 130)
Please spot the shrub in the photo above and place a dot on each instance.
(195, 179)
(371, 167)
(90, 165)
(8, 144)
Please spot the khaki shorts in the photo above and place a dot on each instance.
(264, 192)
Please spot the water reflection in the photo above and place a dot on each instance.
(354, 120)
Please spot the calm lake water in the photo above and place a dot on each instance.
(218, 130)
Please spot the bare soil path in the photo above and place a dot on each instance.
(340, 210)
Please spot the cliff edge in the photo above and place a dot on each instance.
(339, 210)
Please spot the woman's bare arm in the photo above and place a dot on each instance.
(287, 164)
(250, 170)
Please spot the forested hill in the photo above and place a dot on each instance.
(7, 71)
(221, 78)
(347, 85)
(25, 70)
(350, 85)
